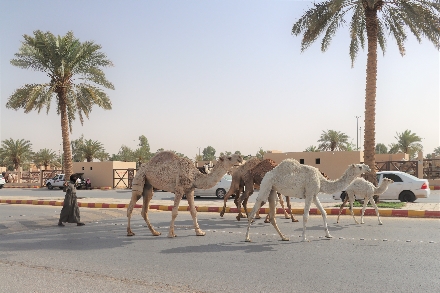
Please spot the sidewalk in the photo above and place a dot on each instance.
(413, 210)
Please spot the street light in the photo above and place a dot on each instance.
(357, 136)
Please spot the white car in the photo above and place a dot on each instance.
(56, 181)
(2, 181)
(219, 190)
(405, 187)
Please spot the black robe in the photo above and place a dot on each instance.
(70, 211)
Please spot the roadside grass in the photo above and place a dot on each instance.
(384, 205)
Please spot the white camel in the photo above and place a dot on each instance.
(365, 189)
(293, 179)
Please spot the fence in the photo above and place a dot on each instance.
(409, 167)
(431, 168)
(123, 177)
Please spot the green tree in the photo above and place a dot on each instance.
(437, 150)
(16, 153)
(208, 153)
(394, 148)
(77, 154)
(198, 158)
(407, 142)
(260, 154)
(311, 148)
(376, 19)
(225, 153)
(142, 153)
(46, 157)
(332, 140)
(125, 154)
(65, 60)
(92, 149)
(381, 148)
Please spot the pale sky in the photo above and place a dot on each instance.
(227, 73)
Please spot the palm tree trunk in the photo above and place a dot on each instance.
(370, 93)
(67, 154)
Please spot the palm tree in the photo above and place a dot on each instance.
(381, 148)
(46, 157)
(407, 142)
(92, 149)
(311, 148)
(376, 19)
(437, 150)
(16, 152)
(64, 59)
(333, 140)
(260, 154)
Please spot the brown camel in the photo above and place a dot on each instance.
(166, 171)
(254, 177)
(237, 183)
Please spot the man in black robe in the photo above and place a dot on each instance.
(70, 211)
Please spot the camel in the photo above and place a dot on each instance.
(169, 172)
(302, 181)
(367, 190)
(254, 176)
(237, 182)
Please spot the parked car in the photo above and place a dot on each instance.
(219, 190)
(58, 181)
(2, 181)
(405, 187)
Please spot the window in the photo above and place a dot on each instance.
(90, 168)
(83, 168)
(393, 177)
(301, 161)
(317, 161)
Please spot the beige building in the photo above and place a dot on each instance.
(101, 173)
(333, 164)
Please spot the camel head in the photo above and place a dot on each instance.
(358, 169)
(387, 181)
(229, 161)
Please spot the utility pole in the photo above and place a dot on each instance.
(357, 133)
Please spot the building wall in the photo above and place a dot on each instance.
(101, 173)
(333, 164)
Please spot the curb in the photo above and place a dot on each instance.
(313, 211)
(434, 187)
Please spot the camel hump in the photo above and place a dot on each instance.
(163, 157)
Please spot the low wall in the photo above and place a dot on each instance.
(434, 184)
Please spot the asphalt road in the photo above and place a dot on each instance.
(38, 256)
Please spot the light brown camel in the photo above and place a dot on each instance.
(166, 171)
(237, 183)
(302, 181)
(366, 190)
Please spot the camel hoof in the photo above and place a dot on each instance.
(201, 234)
(295, 220)
(155, 233)
(380, 223)
(328, 236)
(222, 214)
(266, 221)
(247, 240)
(285, 239)
(238, 218)
(130, 234)
(171, 235)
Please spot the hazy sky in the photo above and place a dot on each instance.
(227, 73)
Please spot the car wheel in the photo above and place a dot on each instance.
(220, 193)
(343, 195)
(49, 186)
(1, 186)
(407, 196)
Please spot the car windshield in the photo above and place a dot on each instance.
(227, 177)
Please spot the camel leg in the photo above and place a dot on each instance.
(364, 207)
(148, 195)
(134, 198)
(342, 207)
(351, 200)
(175, 211)
(323, 214)
(230, 192)
(280, 198)
(289, 206)
(377, 210)
(263, 195)
(272, 211)
(193, 211)
(307, 204)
